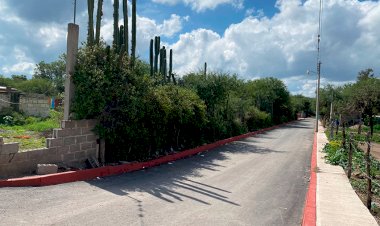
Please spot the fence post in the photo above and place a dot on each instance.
(344, 136)
(331, 129)
(72, 50)
(368, 166)
(350, 157)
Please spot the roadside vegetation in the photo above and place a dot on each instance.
(145, 110)
(30, 132)
(349, 115)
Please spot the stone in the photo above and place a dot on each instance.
(43, 169)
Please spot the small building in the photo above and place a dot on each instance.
(30, 104)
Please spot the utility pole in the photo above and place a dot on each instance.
(75, 9)
(318, 68)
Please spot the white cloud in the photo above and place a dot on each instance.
(147, 29)
(51, 34)
(285, 45)
(23, 65)
(203, 5)
(7, 15)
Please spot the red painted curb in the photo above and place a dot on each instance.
(89, 174)
(309, 214)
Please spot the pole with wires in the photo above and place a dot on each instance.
(318, 66)
(75, 9)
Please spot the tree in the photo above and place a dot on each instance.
(271, 96)
(301, 103)
(19, 77)
(365, 95)
(55, 72)
(365, 74)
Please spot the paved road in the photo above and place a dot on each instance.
(261, 180)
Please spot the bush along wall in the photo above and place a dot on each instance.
(141, 118)
(144, 111)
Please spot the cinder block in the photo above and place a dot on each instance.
(68, 124)
(91, 153)
(74, 148)
(82, 123)
(81, 155)
(63, 150)
(85, 146)
(69, 141)
(73, 132)
(36, 154)
(81, 139)
(54, 142)
(68, 157)
(91, 123)
(87, 131)
(91, 138)
(59, 133)
(9, 148)
(43, 169)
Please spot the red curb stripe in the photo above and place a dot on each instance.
(309, 214)
(89, 174)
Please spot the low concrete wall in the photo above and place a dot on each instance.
(4, 100)
(70, 145)
(35, 105)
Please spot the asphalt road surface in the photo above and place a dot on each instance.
(261, 180)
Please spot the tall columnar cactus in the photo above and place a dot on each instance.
(115, 23)
(121, 37)
(151, 58)
(157, 48)
(133, 49)
(170, 64)
(90, 34)
(99, 15)
(165, 64)
(125, 14)
(205, 69)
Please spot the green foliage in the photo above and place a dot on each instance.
(37, 85)
(54, 72)
(302, 104)
(28, 131)
(257, 119)
(136, 116)
(271, 95)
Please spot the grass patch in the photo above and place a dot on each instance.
(33, 133)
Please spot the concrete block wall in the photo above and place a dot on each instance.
(5, 98)
(35, 105)
(70, 146)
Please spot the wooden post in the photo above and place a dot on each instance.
(344, 136)
(72, 50)
(350, 157)
(337, 124)
(368, 166)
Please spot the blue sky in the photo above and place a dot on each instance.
(253, 38)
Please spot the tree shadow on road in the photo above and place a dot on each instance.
(166, 182)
